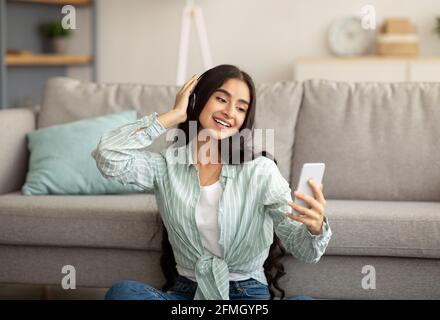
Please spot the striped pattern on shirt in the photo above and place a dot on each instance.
(252, 206)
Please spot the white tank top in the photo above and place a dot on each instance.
(207, 223)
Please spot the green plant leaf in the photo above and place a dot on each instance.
(53, 29)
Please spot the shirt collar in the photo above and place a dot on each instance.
(227, 169)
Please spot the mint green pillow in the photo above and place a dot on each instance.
(61, 162)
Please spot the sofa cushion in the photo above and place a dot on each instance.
(60, 161)
(380, 141)
(66, 100)
(99, 221)
(384, 228)
(368, 228)
(277, 109)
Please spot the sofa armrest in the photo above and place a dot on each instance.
(15, 123)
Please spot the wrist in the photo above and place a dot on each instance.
(180, 116)
(316, 231)
(170, 119)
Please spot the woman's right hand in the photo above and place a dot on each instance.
(177, 114)
(182, 97)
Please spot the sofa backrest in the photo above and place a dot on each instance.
(380, 141)
(278, 106)
(66, 100)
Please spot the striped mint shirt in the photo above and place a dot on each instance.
(252, 206)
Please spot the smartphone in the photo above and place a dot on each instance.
(314, 171)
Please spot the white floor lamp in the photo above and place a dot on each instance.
(190, 11)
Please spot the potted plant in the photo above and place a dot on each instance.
(437, 27)
(54, 37)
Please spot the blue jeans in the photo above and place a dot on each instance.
(184, 289)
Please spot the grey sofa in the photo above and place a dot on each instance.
(381, 145)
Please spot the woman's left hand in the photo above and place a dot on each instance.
(312, 217)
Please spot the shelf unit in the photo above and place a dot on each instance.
(29, 71)
(368, 68)
(2, 54)
(59, 2)
(46, 59)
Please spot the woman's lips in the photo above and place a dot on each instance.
(218, 125)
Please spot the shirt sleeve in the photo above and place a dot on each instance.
(294, 235)
(121, 155)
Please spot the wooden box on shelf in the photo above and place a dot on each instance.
(397, 37)
(397, 26)
(401, 49)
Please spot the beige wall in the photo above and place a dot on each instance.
(80, 43)
(138, 39)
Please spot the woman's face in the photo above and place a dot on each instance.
(227, 105)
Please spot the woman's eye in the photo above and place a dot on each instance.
(220, 99)
(241, 109)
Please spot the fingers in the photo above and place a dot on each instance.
(311, 220)
(317, 191)
(314, 227)
(193, 78)
(307, 221)
(313, 203)
(306, 212)
(190, 83)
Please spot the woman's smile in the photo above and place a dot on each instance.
(221, 124)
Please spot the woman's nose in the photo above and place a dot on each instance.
(229, 111)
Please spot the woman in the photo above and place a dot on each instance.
(226, 221)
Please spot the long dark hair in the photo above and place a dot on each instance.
(208, 82)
